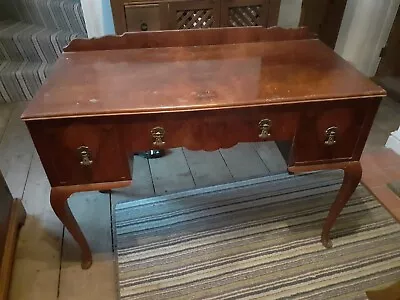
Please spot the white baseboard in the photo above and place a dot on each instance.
(393, 141)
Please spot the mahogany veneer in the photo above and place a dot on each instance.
(203, 89)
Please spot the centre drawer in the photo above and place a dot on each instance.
(208, 130)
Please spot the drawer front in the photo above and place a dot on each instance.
(209, 130)
(143, 17)
(327, 132)
(79, 152)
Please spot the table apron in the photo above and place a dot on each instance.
(98, 149)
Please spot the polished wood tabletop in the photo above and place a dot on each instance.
(191, 78)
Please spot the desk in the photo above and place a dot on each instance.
(203, 90)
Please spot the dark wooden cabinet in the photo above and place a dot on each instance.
(236, 13)
(144, 17)
(192, 14)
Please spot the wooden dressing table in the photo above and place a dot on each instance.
(203, 90)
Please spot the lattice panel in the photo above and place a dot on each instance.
(191, 19)
(244, 16)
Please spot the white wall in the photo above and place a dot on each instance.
(365, 28)
(98, 17)
(289, 13)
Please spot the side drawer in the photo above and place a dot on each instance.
(79, 151)
(329, 132)
(208, 130)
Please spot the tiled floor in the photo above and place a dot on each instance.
(379, 169)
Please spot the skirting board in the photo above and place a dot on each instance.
(17, 219)
(393, 141)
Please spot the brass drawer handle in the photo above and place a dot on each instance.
(330, 136)
(265, 127)
(85, 156)
(158, 134)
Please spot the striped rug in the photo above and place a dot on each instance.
(255, 239)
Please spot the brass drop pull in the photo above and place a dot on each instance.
(158, 134)
(85, 156)
(265, 127)
(330, 136)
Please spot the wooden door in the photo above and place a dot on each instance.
(236, 13)
(390, 61)
(194, 14)
(323, 17)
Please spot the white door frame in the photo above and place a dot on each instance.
(364, 32)
(98, 17)
(384, 35)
